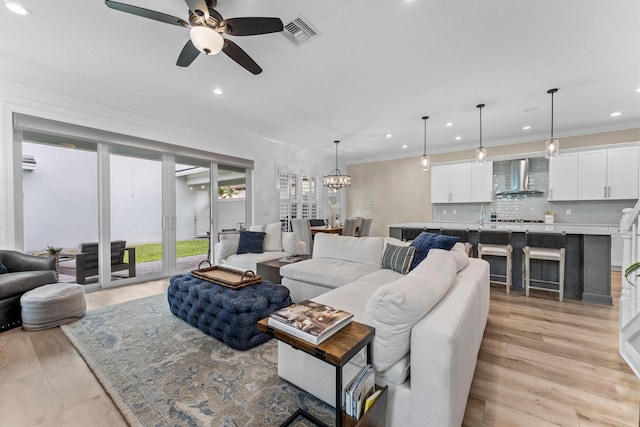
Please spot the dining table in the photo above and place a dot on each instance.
(325, 229)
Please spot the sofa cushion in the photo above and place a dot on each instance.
(427, 241)
(362, 250)
(273, 238)
(251, 242)
(393, 241)
(398, 372)
(326, 272)
(3, 269)
(398, 258)
(460, 255)
(19, 282)
(393, 309)
(228, 244)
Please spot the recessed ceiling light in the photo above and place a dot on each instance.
(638, 90)
(526, 127)
(17, 8)
(458, 138)
(388, 135)
(218, 91)
(616, 114)
(448, 124)
(405, 146)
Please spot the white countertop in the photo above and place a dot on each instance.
(593, 229)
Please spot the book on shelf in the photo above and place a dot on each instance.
(358, 390)
(369, 402)
(310, 321)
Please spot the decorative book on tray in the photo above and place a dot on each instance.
(309, 321)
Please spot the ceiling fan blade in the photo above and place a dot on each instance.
(199, 8)
(234, 52)
(252, 26)
(188, 54)
(146, 13)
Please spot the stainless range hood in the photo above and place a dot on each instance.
(520, 179)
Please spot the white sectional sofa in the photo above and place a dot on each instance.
(277, 244)
(429, 324)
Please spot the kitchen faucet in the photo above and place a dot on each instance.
(482, 214)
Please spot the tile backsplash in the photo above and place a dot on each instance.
(531, 207)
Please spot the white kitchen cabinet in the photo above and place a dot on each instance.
(563, 177)
(622, 173)
(440, 184)
(482, 182)
(461, 183)
(608, 174)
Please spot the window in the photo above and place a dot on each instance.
(294, 203)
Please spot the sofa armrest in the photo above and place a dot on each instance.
(18, 261)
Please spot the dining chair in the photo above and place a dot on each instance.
(350, 226)
(365, 227)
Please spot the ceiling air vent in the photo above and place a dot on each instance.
(299, 31)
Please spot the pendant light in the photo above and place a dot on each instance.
(552, 146)
(481, 152)
(425, 161)
(336, 179)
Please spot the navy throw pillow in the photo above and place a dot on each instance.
(427, 241)
(251, 242)
(3, 269)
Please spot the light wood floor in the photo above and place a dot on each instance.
(541, 363)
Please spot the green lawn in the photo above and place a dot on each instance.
(153, 251)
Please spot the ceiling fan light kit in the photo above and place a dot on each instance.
(552, 146)
(336, 180)
(207, 27)
(206, 40)
(481, 152)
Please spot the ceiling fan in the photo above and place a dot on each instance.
(207, 27)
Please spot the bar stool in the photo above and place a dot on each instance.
(464, 238)
(497, 244)
(544, 247)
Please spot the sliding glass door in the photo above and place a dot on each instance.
(115, 209)
(135, 213)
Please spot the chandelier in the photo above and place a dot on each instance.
(336, 179)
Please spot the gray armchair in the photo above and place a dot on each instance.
(85, 264)
(24, 272)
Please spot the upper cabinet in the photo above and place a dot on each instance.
(602, 174)
(608, 174)
(461, 183)
(563, 177)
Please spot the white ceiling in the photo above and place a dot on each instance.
(377, 67)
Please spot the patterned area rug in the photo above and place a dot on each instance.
(160, 371)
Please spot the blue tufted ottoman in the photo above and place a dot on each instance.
(229, 315)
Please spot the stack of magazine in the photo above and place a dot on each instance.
(358, 391)
(310, 321)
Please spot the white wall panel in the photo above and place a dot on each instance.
(33, 90)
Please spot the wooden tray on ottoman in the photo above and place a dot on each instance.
(225, 276)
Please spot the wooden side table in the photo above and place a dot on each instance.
(336, 350)
(270, 270)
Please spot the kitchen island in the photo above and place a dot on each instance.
(588, 253)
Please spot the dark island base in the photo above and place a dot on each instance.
(587, 263)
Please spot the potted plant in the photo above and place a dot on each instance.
(629, 270)
(54, 253)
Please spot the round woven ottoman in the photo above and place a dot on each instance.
(52, 305)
